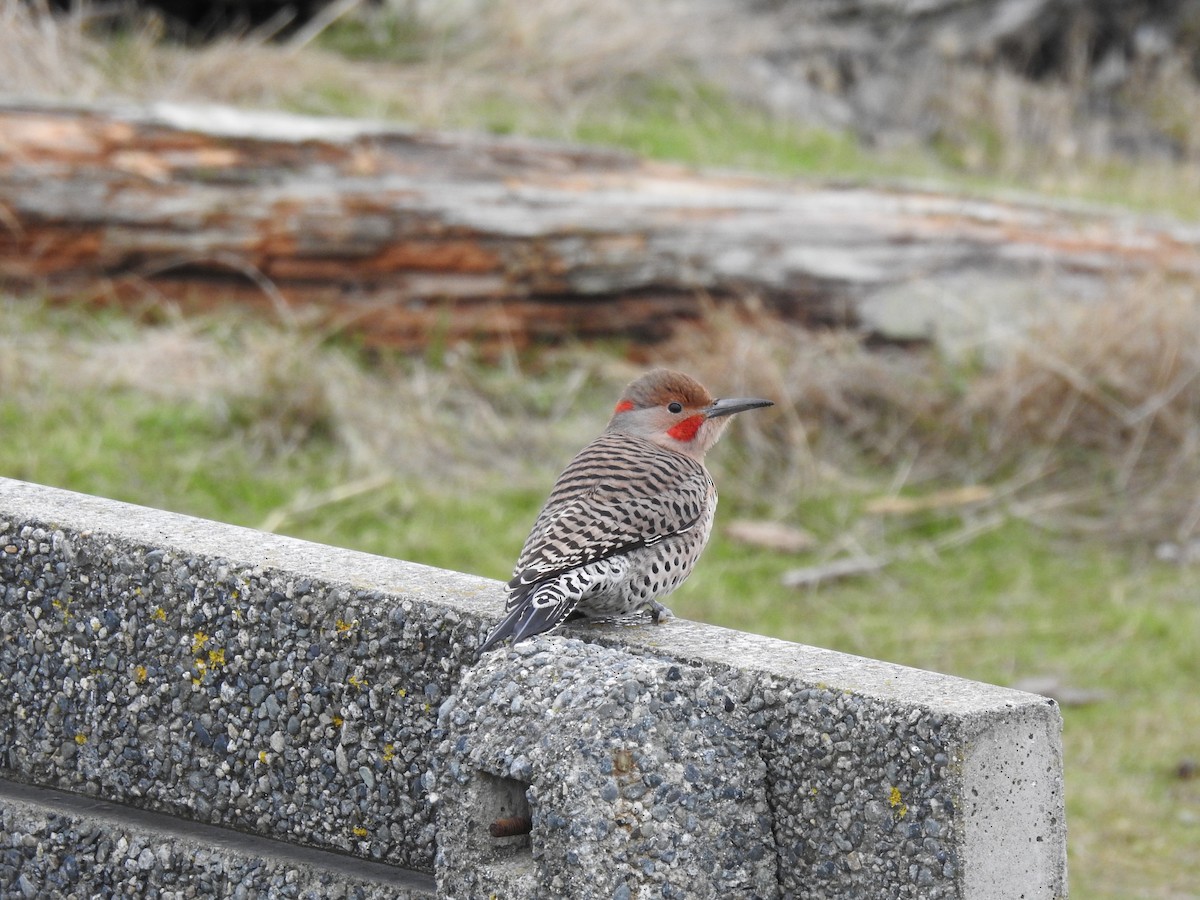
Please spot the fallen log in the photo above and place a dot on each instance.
(403, 236)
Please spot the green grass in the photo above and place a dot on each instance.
(149, 452)
(1014, 603)
(394, 38)
(698, 124)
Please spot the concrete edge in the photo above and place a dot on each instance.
(1013, 819)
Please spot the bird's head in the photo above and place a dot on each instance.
(675, 411)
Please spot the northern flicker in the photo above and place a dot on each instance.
(628, 518)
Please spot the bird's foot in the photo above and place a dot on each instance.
(658, 612)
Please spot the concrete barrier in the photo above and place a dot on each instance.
(260, 714)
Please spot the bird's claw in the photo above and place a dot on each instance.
(658, 612)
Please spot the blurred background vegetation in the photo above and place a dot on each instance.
(1029, 513)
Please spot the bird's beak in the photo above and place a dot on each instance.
(731, 405)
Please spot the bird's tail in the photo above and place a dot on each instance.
(542, 608)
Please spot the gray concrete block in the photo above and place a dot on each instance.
(331, 699)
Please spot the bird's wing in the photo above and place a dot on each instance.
(618, 494)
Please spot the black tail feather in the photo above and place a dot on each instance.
(541, 610)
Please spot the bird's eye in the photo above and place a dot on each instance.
(675, 407)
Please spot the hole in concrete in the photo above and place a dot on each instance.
(505, 811)
(506, 863)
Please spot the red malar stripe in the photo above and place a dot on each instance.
(686, 430)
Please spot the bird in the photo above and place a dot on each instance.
(629, 516)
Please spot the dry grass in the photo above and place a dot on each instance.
(1118, 376)
(541, 65)
(453, 420)
(42, 56)
(73, 58)
(1050, 136)
(1116, 384)
(558, 56)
